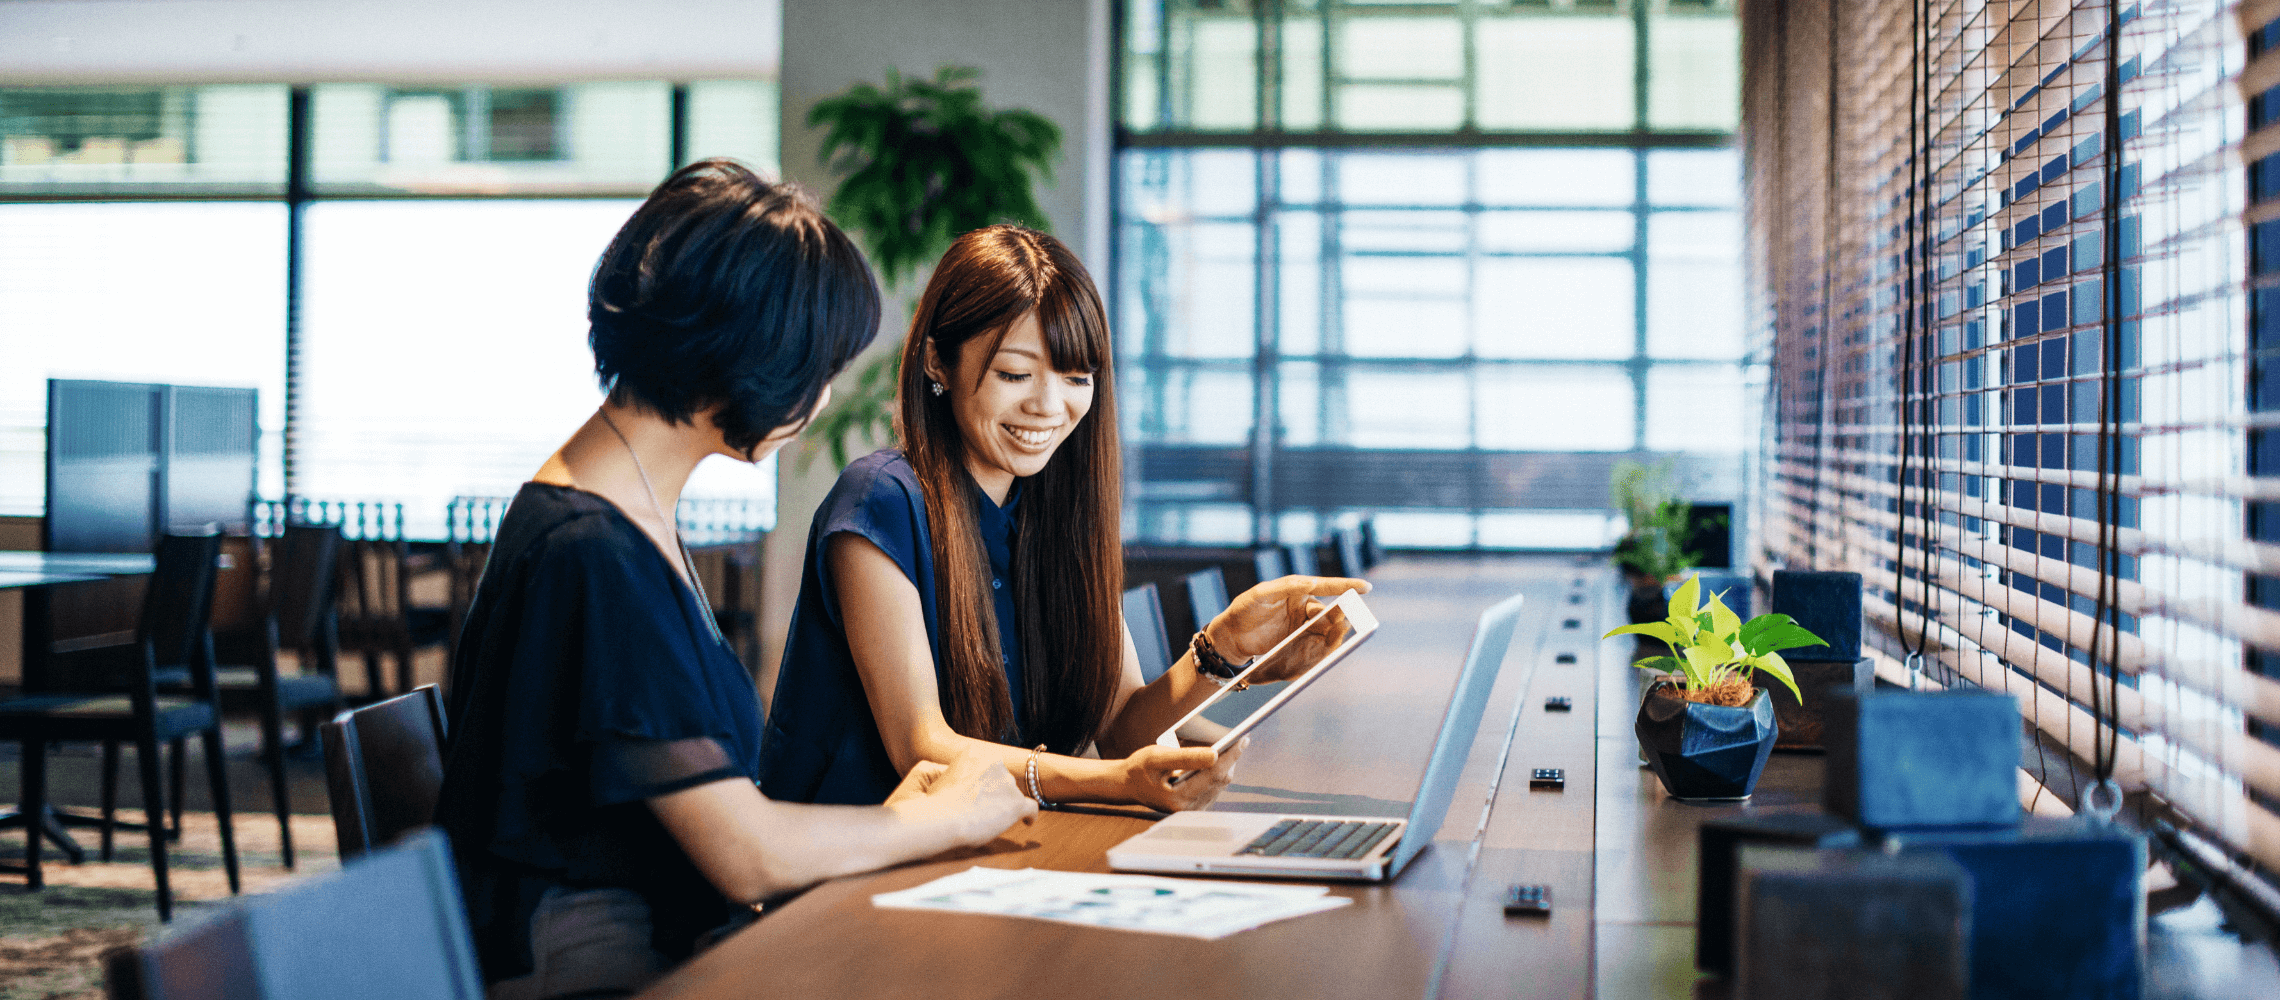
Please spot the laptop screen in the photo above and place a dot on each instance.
(1458, 728)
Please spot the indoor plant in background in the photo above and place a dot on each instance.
(924, 161)
(1653, 550)
(1703, 726)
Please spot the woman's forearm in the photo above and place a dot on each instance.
(1065, 779)
(1155, 708)
(753, 848)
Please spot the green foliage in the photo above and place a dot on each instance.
(1655, 546)
(1709, 642)
(924, 162)
(866, 409)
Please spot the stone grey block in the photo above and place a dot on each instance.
(1721, 844)
(1902, 760)
(1804, 723)
(1851, 924)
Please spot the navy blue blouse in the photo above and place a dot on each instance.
(823, 742)
(587, 679)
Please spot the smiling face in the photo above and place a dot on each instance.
(1013, 410)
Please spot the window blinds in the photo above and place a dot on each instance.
(2012, 290)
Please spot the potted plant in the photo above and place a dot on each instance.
(1653, 551)
(924, 161)
(1704, 727)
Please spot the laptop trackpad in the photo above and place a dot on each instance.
(1170, 831)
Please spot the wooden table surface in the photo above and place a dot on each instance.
(1356, 744)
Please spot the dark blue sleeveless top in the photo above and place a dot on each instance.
(822, 741)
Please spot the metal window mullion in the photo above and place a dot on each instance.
(1266, 257)
(297, 197)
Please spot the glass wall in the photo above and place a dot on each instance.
(1448, 267)
(447, 237)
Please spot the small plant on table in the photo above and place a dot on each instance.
(1714, 652)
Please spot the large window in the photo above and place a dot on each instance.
(2021, 321)
(1448, 267)
(446, 238)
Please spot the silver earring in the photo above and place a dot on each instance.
(938, 388)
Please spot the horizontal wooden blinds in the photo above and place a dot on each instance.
(2012, 270)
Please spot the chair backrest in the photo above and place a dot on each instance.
(1144, 615)
(1346, 545)
(1206, 595)
(1271, 562)
(384, 768)
(178, 605)
(387, 927)
(372, 582)
(1373, 553)
(1301, 559)
(301, 581)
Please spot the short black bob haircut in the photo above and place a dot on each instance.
(728, 290)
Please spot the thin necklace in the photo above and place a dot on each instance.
(688, 565)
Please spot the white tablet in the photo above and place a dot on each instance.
(1360, 625)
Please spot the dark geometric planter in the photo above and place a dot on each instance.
(1801, 724)
(1705, 751)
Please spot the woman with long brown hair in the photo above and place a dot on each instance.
(963, 593)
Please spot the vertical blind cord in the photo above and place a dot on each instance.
(2105, 747)
(1927, 498)
(1911, 329)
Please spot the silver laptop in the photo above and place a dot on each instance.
(1366, 848)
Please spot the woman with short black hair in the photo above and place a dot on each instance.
(962, 593)
(600, 789)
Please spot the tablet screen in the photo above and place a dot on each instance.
(1239, 705)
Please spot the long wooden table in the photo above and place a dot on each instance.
(1354, 745)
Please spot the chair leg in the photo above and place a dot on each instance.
(34, 809)
(273, 736)
(404, 654)
(110, 795)
(375, 688)
(154, 812)
(218, 781)
(177, 765)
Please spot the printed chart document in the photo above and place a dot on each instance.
(1195, 908)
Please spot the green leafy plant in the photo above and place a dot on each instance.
(1655, 545)
(1714, 652)
(923, 161)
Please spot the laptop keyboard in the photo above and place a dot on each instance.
(1318, 838)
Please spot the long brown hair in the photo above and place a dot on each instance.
(1068, 556)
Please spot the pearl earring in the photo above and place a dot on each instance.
(938, 388)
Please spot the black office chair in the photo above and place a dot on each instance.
(128, 708)
(1299, 560)
(384, 768)
(1373, 552)
(1345, 545)
(387, 927)
(1206, 591)
(1271, 563)
(296, 614)
(377, 617)
(1144, 616)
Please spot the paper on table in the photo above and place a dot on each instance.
(1187, 907)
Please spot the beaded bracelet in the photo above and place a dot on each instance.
(1036, 791)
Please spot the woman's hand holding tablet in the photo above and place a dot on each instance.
(1176, 779)
(1311, 647)
(1265, 615)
